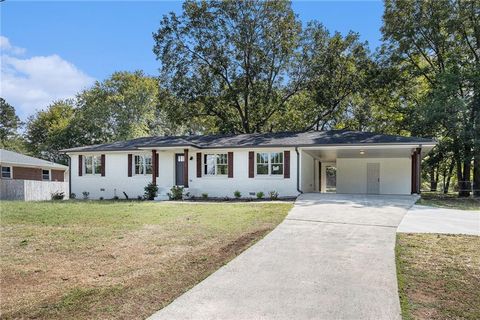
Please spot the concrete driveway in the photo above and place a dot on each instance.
(332, 258)
(427, 219)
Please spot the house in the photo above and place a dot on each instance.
(289, 163)
(28, 178)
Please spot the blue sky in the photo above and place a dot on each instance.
(85, 41)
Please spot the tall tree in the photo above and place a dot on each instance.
(127, 105)
(9, 125)
(233, 62)
(437, 42)
(49, 131)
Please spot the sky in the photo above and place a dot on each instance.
(52, 50)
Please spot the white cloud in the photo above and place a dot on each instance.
(6, 46)
(30, 84)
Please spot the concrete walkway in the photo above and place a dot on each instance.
(424, 219)
(332, 258)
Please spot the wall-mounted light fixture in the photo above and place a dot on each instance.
(362, 152)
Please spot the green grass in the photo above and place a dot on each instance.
(450, 201)
(438, 276)
(105, 259)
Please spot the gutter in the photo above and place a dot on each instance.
(298, 171)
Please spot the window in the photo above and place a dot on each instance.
(45, 174)
(7, 172)
(216, 164)
(93, 165)
(142, 164)
(270, 163)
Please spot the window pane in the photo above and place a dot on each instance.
(89, 165)
(277, 168)
(262, 168)
(138, 164)
(98, 164)
(6, 173)
(148, 165)
(45, 175)
(276, 157)
(262, 157)
(210, 160)
(222, 158)
(222, 169)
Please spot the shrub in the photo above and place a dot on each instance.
(237, 194)
(85, 194)
(73, 196)
(273, 195)
(176, 193)
(260, 195)
(115, 198)
(151, 191)
(58, 195)
(205, 195)
(140, 198)
(101, 198)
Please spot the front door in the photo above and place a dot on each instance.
(373, 178)
(179, 161)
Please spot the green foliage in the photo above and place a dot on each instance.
(73, 196)
(9, 126)
(176, 193)
(273, 195)
(49, 131)
(260, 195)
(58, 195)
(204, 195)
(151, 191)
(85, 194)
(237, 194)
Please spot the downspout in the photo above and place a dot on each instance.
(298, 170)
(69, 176)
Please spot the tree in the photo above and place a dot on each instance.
(438, 41)
(127, 105)
(235, 63)
(9, 125)
(49, 131)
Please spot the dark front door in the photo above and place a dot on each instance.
(179, 160)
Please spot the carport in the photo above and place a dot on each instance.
(362, 169)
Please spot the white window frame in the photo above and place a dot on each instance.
(143, 158)
(96, 159)
(269, 164)
(11, 172)
(49, 175)
(216, 165)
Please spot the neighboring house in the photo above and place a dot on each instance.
(288, 163)
(28, 178)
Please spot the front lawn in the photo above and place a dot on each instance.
(438, 276)
(123, 260)
(450, 201)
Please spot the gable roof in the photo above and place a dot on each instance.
(14, 158)
(279, 139)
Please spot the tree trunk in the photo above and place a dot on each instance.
(476, 176)
(449, 177)
(463, 176)
(433, 182)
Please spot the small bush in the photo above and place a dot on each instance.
(73, 196)
(237, 194)
(260, 195)
(140, 198)
(151, 191)
(85, 194)
(58, 196)
(115, 198)
(205, 195)
(176, 193)
(101, 198)
(273, 195)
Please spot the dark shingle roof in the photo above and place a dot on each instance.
(284, 139)
(10, 157)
